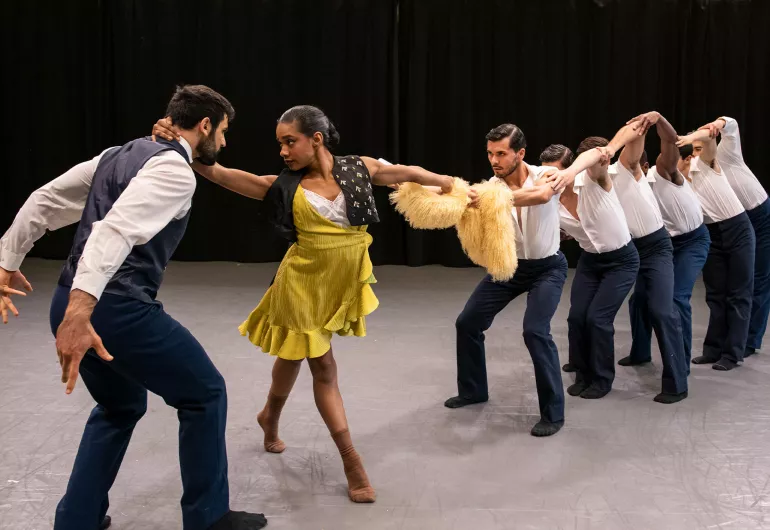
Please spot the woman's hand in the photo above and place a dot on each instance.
(165, 129)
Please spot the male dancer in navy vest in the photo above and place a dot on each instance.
(133, 203)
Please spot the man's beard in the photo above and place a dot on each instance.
(207, 151)
(512, 169)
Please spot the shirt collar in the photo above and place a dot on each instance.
(650, 177)
(694, 164)
(187, 149)
(580, 181)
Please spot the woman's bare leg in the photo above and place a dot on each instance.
(329, 403)
(284, 375)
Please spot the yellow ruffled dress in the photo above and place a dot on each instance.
(323, 286)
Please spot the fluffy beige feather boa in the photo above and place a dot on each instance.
(486, 232)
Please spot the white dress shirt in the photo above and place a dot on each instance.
(574, 229)
(335, 211)
(679, 206)
(639, 205)
(159, 193)
(538, 235)
(730, 157)
(601, 217)
(716, 197)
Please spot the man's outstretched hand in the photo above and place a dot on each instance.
(10, 285)
(643, 122)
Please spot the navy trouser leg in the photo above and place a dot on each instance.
(619, 274)
(760, 305)
(585, 284)
(656, 266)
(601, 284)
(690, 253)
(729, 278)
(641, 325)
(154, 352)
(740, 286)
(542, 301)
(487, 300)
(715, 281)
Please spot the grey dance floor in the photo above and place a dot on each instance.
(623, 462)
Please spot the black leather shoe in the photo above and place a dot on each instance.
(240, 521)
(457, 402)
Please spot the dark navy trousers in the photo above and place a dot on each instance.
(652, 308)
(690, 253)
(543, 280)
(601, 284)
(151, 352)
(760, 304)
(729, 279)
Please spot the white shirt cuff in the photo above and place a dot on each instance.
(10, 261)
(89, 281)
(729, 124)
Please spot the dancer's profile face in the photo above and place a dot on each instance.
(697, 148)
(211, 141)
(503, 158)
(297, 150)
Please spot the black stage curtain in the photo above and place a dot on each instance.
(414, 81)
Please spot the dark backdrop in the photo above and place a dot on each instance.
(414, 81)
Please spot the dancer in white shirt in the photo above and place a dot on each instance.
(541, 273)
(652, 304)
(753, 198)
(561, 157)
(729, 270)
(683, 218)
(607, 267)
(132, 204)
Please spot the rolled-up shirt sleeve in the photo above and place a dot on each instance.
(730, 146)
(160, 192)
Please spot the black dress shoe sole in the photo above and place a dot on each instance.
(459, 402)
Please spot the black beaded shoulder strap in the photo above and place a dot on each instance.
(353, 178)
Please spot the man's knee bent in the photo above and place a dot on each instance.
(469, 323)
(131, 412)
(533, 332)
(211, 390)
(594, 320)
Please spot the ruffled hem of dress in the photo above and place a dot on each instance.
(292, 345)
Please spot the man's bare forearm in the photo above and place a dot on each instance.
(81, 305)
(625, 135)
(666, 131)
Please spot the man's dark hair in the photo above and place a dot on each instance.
(685, 151)
(558, 153)
(191, 103)
(590, 143)
(510, 131)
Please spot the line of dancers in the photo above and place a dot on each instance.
(133, 202)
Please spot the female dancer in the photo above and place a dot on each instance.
(323, 203)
